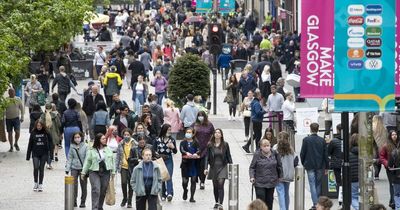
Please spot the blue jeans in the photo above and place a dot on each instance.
(396, 189)
(167, 187)
(160, 98)
(139, 101)
(354, 195)
(282, 189)
(314, 179)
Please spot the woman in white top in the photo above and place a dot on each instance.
(139, 93)
(112, 138)
(265, 82)
(288, 108)
(246, 112)
(119, 23)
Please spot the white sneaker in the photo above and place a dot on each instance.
(234, 118)
(35, 187)
(40, 188)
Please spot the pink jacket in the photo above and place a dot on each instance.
(171, 116)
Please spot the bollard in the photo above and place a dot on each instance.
(69, 192)
(233, 176)
(223, 76)
(251, 136)
(299, 188)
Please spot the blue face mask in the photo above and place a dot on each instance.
(188, 135)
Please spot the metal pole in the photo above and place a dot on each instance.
(215, 84)
(346, 165)
(69, 192)
(251, 136)
(299, 188)
(233, 175)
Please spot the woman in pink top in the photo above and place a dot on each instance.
(171, 116)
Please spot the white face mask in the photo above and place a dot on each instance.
(200, 118)
(78, 140)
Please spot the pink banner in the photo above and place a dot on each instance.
(317, 31)
(397, 77)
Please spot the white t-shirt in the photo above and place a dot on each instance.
(288, 108)
(119, 20)
(113, 144)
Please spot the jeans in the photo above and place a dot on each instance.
(38, 168)
(139, 101)
(354, 195)
(314, 179)
(160, 97)
(266, 195)
(68, 132)
(282, 189)
(83, 182)
(99, 183)
(168, 187)
(396, 189)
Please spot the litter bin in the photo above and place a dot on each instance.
(329, 188)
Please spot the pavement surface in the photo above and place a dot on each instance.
(16, 173)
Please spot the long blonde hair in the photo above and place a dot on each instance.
(379, 131)
(170, 104)
(47, 118)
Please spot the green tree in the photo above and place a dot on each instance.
(189, 75)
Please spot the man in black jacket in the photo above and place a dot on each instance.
(89, 106)
(64, 84)
(116, 105)
(137, 69)
(314, 159)
(335, 155)
(124, 120)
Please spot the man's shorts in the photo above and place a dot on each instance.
(13, 123)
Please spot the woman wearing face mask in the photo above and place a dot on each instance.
(218, 157)
(190, 168)
(265, 171)
(99, 164)
(141, 130)
(75, 164)
(39, 148)
(204, 131)
(146, 182)
(165, 146)
(122, 165)
(52, 123)
(112, 138)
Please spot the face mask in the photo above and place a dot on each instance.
(140, 133)
(168, 134)
(188, 135)
(115, 133)
(200, 118)
(126, 139)
(78, 140)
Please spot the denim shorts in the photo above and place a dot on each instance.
(13, 123)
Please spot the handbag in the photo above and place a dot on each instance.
(41, 98)
(163, 169)
(246, 113)
(110, 194)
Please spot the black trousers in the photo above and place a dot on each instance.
(246, 126)
(125, 180)
(142, 200)
(257, 129)
(202, 167)
(390, 178)
(38, 168)
(266, 195)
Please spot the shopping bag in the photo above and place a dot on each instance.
(110, 195)
(41, 98)
(163, 169)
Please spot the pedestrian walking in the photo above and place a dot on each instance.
(52, 123)
(99, 165)
(190, 166)
(265, 171)
(116, 106)
(64, 84)
(335, 156)
(70, 124)
(257, 116)
(288, 108)
(99, 60)
(380, 135)
(392, 143)
(34, 115)
(289, 161)
(394, 164)
(74, 166)
(246, 83)
(160, 84)
(38, 148)
(146, 182)
(232, 96)
(14, 114)
(218, 157)
(124, 120)
(101, 120)
(204, 131)
(265, 82)
(314, 158)
(89, 106)
(353, 160)
(140, 91)
(245, 108)
(172, 117)
(189, 112)
(84, 120)
(165, 147)
(112, 84)
(122, 166)
(32, 89)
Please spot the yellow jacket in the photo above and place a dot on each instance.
(111, 75)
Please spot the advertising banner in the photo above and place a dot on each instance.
(364, 55)
(204, 6)
(226, 6)
(317, 49)
(398, 49)
(304, 118)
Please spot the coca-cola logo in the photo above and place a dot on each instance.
(355, 20)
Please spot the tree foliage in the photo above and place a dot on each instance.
(28, 26)
(189, 75)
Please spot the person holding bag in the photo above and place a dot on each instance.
(265, 171)
(165, 147)
(146, 182)
(99, 164)
(232, 96)
(218, 157)
(75, 164)
(122, 165)
(246, 112)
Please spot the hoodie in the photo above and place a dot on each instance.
(189, 114)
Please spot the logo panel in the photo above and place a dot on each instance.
(374, 31)
(373, 20)
(355, 42)
(355, 64)
(355, 9)
(373, 42)
(373, 53)
(355, 31)
(374, 9)
(373, 64)
(355, 53)
(355, 20)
